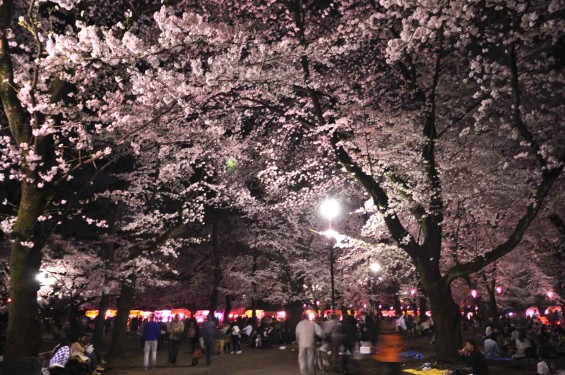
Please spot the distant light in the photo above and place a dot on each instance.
(231, 164)
(380, 306)
(332, 233)
(375, 267)
(318, 303)
(364, 305)
(510, 314)
(413, 291)
(474, 293)
(39, 299)
(550, 295)
(392, 308)
(499, 289)
(330, 208)
(9, 300)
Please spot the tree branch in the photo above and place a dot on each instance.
(514, 239)
(516, 113)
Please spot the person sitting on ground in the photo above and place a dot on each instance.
(523, 345)
(84, 354)
(59, 358)
(474, 358)
(492, 350)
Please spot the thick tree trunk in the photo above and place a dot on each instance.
(24, 329)
(446, 317)
(98, 335)
(423, 305)
(119, 332)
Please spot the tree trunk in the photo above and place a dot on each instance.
(217, 270)
(254, 288)
(397, 305)
(98, 335)
(24, 328)
(423, 305)
(493, 306)
(446, 319)
(125, 303)
(227, 310)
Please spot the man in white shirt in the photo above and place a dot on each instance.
(306, 333)
(491, 347)
(401, 324)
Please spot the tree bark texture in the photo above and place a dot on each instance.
(98, 334)
(119, 332)
(24, 329)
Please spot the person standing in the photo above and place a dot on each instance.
(390, 345)
(208, 333)
(349, 325)
(194, 337)
(235, 336)
(175, 335)
(151, 333)
(306, 333)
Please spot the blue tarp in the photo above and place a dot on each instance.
(412, 354)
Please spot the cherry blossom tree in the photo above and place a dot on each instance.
(440, 113)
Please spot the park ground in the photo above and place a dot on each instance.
(271, 361)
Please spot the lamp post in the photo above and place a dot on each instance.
(374, 268)
(330, 209)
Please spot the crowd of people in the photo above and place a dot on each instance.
(207, 339)
(528, 340)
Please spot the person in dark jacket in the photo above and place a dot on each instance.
(208, 333)
(474, 358)
(194, 337)
(349, 325)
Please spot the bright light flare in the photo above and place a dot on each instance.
(333, 234)
(474, 293)
(330, 208)
(375, 267)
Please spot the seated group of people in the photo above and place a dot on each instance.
(74, 356)
(536, 341)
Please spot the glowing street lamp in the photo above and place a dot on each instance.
(375, 267)
(330, 209)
